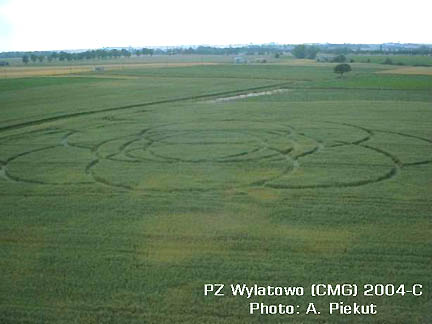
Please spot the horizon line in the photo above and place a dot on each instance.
(216, 46)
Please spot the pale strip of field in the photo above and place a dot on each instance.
(248, 95)
(409, 70)
(309, 62)
(99, 76)
(24, 71)
(299, 62)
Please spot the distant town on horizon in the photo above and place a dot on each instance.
(389, 47)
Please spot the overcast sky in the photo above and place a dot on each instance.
(27, 25)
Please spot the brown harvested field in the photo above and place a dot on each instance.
(20, 72)
(409, 70)
(24, 71)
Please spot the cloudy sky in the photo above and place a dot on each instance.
(27, 25)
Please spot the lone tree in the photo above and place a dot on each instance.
(25, 59)
(342, 68)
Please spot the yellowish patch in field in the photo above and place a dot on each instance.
(322, 240)
(420, 232)
(264, 194)
(22, 72)
(29, 237)
(20, 247)
(179, 237)
(176, 238)
(178, 250)
(409, 70)
(34, 71)
(231, 192)
(301, 62)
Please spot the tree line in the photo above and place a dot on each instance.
(299, 51)
(34, 57)
(87, 55)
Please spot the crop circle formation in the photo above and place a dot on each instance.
(203, 156)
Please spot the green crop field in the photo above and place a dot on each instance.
(420, 60)
(124, 192)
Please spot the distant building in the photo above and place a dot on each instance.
(260, 60)
(325, 57)
(4, 63)
(99, 69)
(240, 60)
